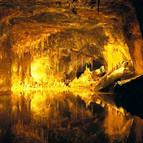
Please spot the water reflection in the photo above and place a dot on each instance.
(48, 116)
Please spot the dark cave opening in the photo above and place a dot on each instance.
(94, 66)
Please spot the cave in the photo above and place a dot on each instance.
(71, 71)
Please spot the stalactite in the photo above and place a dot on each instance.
(42, 43)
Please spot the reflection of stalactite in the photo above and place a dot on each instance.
(117, 124)
(25, 110)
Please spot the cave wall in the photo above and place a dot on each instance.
(5, 65)
(5, 54)
(133, 39)
(63, 36)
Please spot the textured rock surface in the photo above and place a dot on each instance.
(66, 36)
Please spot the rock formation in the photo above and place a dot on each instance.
(44, 41)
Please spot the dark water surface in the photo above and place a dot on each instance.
(53, 117)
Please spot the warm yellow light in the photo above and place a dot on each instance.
(40, 70)
(117, 124)
(116, 52)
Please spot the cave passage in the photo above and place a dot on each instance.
(71, 71)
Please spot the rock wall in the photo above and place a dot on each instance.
(67, 36)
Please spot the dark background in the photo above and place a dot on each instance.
(138, 4)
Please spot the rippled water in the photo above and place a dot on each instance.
(53, 117)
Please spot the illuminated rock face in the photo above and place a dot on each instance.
(43, 42)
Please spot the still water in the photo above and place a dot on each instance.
(66, 117)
